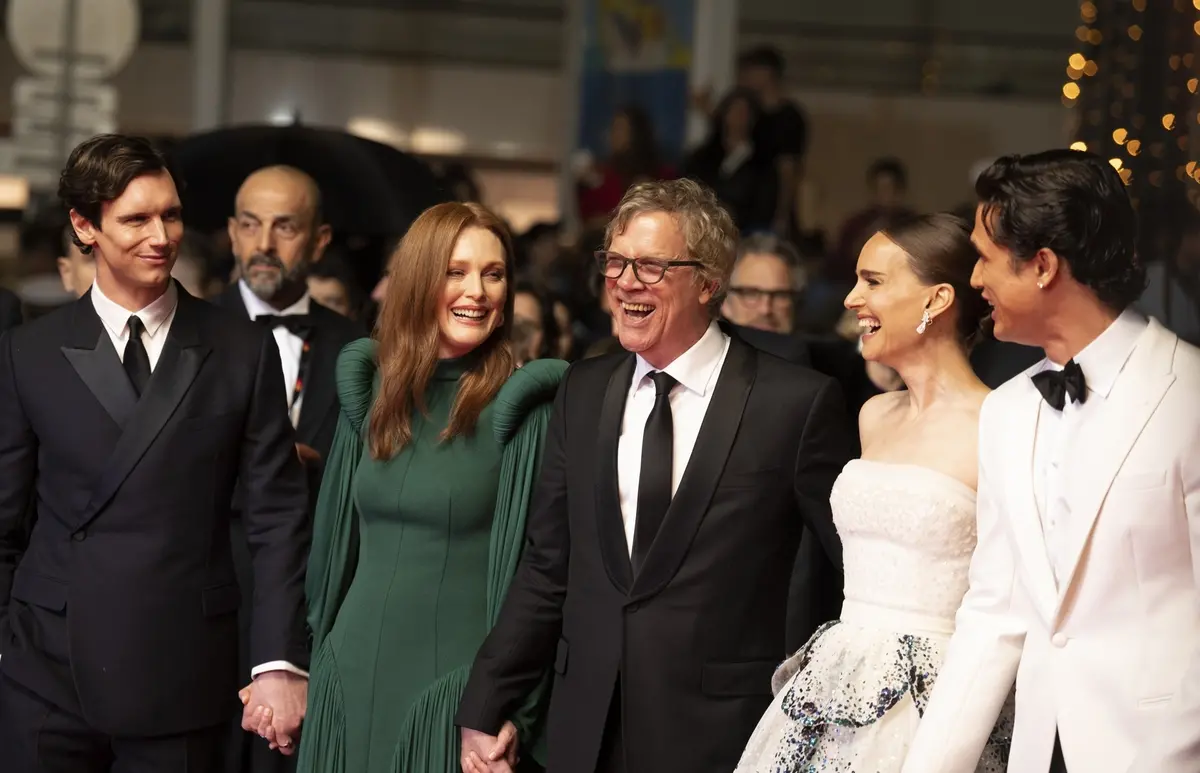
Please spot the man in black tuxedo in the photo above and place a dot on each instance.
(276, 234)
(10, 310)
(678, 476)
(125, 419)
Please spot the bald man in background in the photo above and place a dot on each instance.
(277, 234)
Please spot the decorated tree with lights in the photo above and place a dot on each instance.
(1132, 87)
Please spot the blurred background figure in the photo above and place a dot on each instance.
(766, 283)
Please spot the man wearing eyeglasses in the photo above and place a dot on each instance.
(678, 476)
(763, 287)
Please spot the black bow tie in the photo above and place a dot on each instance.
(297, 324)
(1058, 385)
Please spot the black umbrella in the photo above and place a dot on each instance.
(367, 188)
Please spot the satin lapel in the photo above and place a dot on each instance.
(699, 481)
(1021, 498)
(319, 390)
(90, 352)
(610, 525)
(173, 375)
(1105, 440)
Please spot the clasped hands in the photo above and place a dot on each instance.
(274, 704)
(483, 753)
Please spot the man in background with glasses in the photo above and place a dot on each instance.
(678, 476)
(765, 283)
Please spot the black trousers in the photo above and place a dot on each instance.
(1057, 764)
(38, 737)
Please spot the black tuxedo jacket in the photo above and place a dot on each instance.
(10, 310)
(120, 604)
(694, 638)
(319, 411)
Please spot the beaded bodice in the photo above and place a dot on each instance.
(907, 536)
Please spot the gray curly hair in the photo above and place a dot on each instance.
(707, 227)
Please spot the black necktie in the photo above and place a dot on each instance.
(654, 482)
(137, 361)
(297, 324)
(1058, 385)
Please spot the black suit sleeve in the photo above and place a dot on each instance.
(10, 311)
(275, 514)
(515, 655)
(825, 447)
(18, 470)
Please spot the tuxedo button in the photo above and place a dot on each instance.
(79, 536)
(1059, 640)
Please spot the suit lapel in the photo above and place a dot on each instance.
(610, 525)
(1021, 496)
(1104, 441)
(699, 481)
(90, 352)
(177, 368)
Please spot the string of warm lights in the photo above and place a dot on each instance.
(1132, 89)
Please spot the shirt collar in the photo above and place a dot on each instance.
(1104, 358)
(257, 307)
(116, 317)
(696, 368)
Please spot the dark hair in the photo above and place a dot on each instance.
(549, 322)
(940, 251)
(1074, 203)
(333, 265)
(892, 167)
(767, 57)
(640, 160)
(100, 169)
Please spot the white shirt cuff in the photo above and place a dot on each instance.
(278, 665)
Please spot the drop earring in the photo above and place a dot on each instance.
(926, 320)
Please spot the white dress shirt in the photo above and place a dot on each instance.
(696, 370)
(1101, 362)
(157, 318)
(290, 344)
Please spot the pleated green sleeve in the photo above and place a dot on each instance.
(334, 553)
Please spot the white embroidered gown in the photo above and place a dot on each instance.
(850, 699)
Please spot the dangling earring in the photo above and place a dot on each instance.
(1041, 286)
(926, 321)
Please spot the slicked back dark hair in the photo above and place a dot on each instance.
(100, 169)
(1074, 203)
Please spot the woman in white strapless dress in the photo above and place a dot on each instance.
(849, 701)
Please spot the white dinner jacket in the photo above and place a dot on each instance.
(1110, 658)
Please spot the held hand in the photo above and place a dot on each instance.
(308, 455)
(483, 753)
(274, 708)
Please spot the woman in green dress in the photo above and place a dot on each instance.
(420, 519)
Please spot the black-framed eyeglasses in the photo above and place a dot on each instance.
(754, 296)
(648, 271)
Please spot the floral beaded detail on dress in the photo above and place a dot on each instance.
(849, 701)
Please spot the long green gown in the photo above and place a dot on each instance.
(410, 560)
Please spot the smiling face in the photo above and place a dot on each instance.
(888, 300)
(137, 238)
(1010, 286)
(663, 320)
(471, 304)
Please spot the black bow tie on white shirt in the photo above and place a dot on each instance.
(1058, 385)
(297, 324)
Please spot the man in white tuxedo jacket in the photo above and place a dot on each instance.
(1084, 584)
